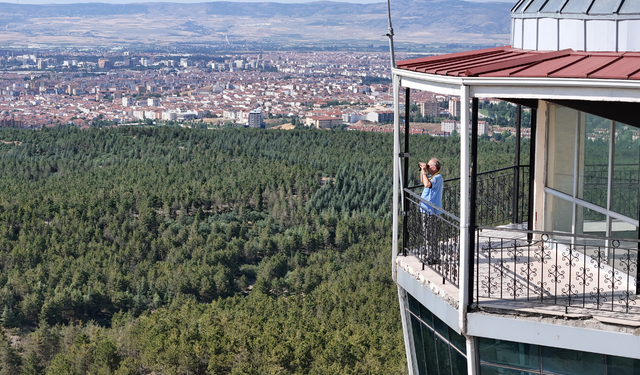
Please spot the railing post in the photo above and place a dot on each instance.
(473, 191)
(516, 168)
(407, 113)
(532, 169)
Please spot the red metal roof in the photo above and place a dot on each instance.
(513, 62)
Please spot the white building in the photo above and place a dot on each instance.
(530, 269)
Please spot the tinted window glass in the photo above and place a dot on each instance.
(563, 361)
(509, 353)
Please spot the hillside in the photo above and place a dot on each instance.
(318, 23)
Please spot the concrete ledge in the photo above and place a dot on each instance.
(584, 335)
(426, 286)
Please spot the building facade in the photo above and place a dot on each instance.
(530, 269)
(255, 119)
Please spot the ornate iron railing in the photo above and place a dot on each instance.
(556, 269)
(495, 196)
(434, 239)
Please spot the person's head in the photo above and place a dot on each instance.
(433, 166)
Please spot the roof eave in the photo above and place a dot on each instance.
(525, 87)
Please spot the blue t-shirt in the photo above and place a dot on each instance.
(433, 195)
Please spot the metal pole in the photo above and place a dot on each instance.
(516, 166)
(407, 113)
(473, 192)
(396, 174)
(532, 168)
(390, 35)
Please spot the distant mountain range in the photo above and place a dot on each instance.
(420, 22)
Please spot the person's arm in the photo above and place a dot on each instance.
(423, 175)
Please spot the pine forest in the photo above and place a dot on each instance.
(167, 250)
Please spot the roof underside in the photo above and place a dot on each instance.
(588, 7)
(510, 62)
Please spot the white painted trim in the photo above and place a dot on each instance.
(554, 335)
(463, 277)
(432, 302)
(526, 88)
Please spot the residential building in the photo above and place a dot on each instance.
(454, 107)
(255, 119)
(532, 268)
(430, 108)
(323, 122)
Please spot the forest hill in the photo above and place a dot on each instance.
(133, 249)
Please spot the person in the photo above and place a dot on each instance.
(432, 180)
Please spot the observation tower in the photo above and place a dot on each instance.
(533, 268)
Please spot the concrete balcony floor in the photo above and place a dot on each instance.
(540, 283)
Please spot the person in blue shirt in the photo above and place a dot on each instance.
(432, 180)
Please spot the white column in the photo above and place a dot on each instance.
(396, 173)
(464, 209)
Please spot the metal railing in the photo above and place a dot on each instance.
(558, 269)
(434, 239)
(495, 195)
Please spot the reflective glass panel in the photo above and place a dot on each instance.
(444, 362)
(491, 370)
(426, 316)
(563, 361)
(622, 366)
(509, 353)
(414, 305)
(626, 169)
(561, 150)
(624, 253)
(458, 363)
(593, 159)
(558, 216)
(418, 344)
(458, 340)
(592, 223)
(430, 351)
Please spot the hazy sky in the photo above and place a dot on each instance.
(200, 1)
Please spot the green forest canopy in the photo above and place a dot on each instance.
(168, 250)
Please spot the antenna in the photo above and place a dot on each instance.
(390, 35)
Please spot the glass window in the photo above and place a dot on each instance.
(458, 340)
(509, 353)
(441, 328)
(491, 370)
(459, 363)
(626, 168)
(561, 150)
(430, 350)
(563, 361)
(426, 316)
(622, 366)
(414, 305)
(559, 214)
(444, 362)
(418, 344)
(593, 156)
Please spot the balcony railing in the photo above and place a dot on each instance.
(434, 239)
(558, 269)
(495, 196)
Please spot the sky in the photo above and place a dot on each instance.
(200, 1)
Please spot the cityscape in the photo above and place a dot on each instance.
(270, 89)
